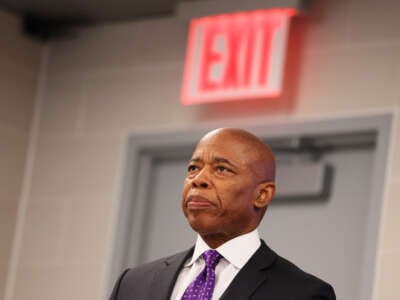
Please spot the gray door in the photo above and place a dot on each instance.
(323, 236)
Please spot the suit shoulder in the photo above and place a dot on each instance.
(153, 266)
(293, 271)
(137, 281)
(292, 276)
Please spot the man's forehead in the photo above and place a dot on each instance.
(239, 147)
(224, 138)
(223, 151)
(228, 140)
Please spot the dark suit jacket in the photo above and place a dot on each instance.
(265, 276)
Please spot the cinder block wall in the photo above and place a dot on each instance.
(19, 66)
(110, 81)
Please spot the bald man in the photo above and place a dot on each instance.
(229, 184)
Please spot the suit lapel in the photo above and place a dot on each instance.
(252, 275)
(163, 283)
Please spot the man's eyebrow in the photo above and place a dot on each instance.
(216, 160)
(195, 159)
(223, 160)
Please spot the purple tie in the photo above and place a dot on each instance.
(203, 286)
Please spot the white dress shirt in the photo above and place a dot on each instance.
(235, 254)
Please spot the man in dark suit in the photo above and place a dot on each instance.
(229, 184)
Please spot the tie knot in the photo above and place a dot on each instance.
(211, 258)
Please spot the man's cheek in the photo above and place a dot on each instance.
(185, 191)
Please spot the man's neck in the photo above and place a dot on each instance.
(218, 239)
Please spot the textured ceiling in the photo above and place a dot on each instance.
(48, 19)
(89, 11)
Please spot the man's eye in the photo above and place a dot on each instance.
(222, 169)
(192, 168)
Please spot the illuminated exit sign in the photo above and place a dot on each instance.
(236, 56)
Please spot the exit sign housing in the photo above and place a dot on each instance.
(236, 56)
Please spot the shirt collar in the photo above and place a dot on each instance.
(236, 251)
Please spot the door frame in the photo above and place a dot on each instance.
(143, 149)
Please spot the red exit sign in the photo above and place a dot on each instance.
(236, 56)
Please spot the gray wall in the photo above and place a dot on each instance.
(19, 67)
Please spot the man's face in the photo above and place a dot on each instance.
(220, 187)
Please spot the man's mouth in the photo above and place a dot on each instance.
(198, 202)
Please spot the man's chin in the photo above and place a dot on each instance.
(203, 225)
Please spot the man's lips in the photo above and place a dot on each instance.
(198, 202)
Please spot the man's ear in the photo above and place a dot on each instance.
(266, 192)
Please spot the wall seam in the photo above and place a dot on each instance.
(27, 178)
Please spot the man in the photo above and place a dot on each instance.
(229, 184)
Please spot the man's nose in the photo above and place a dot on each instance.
(201, 180)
